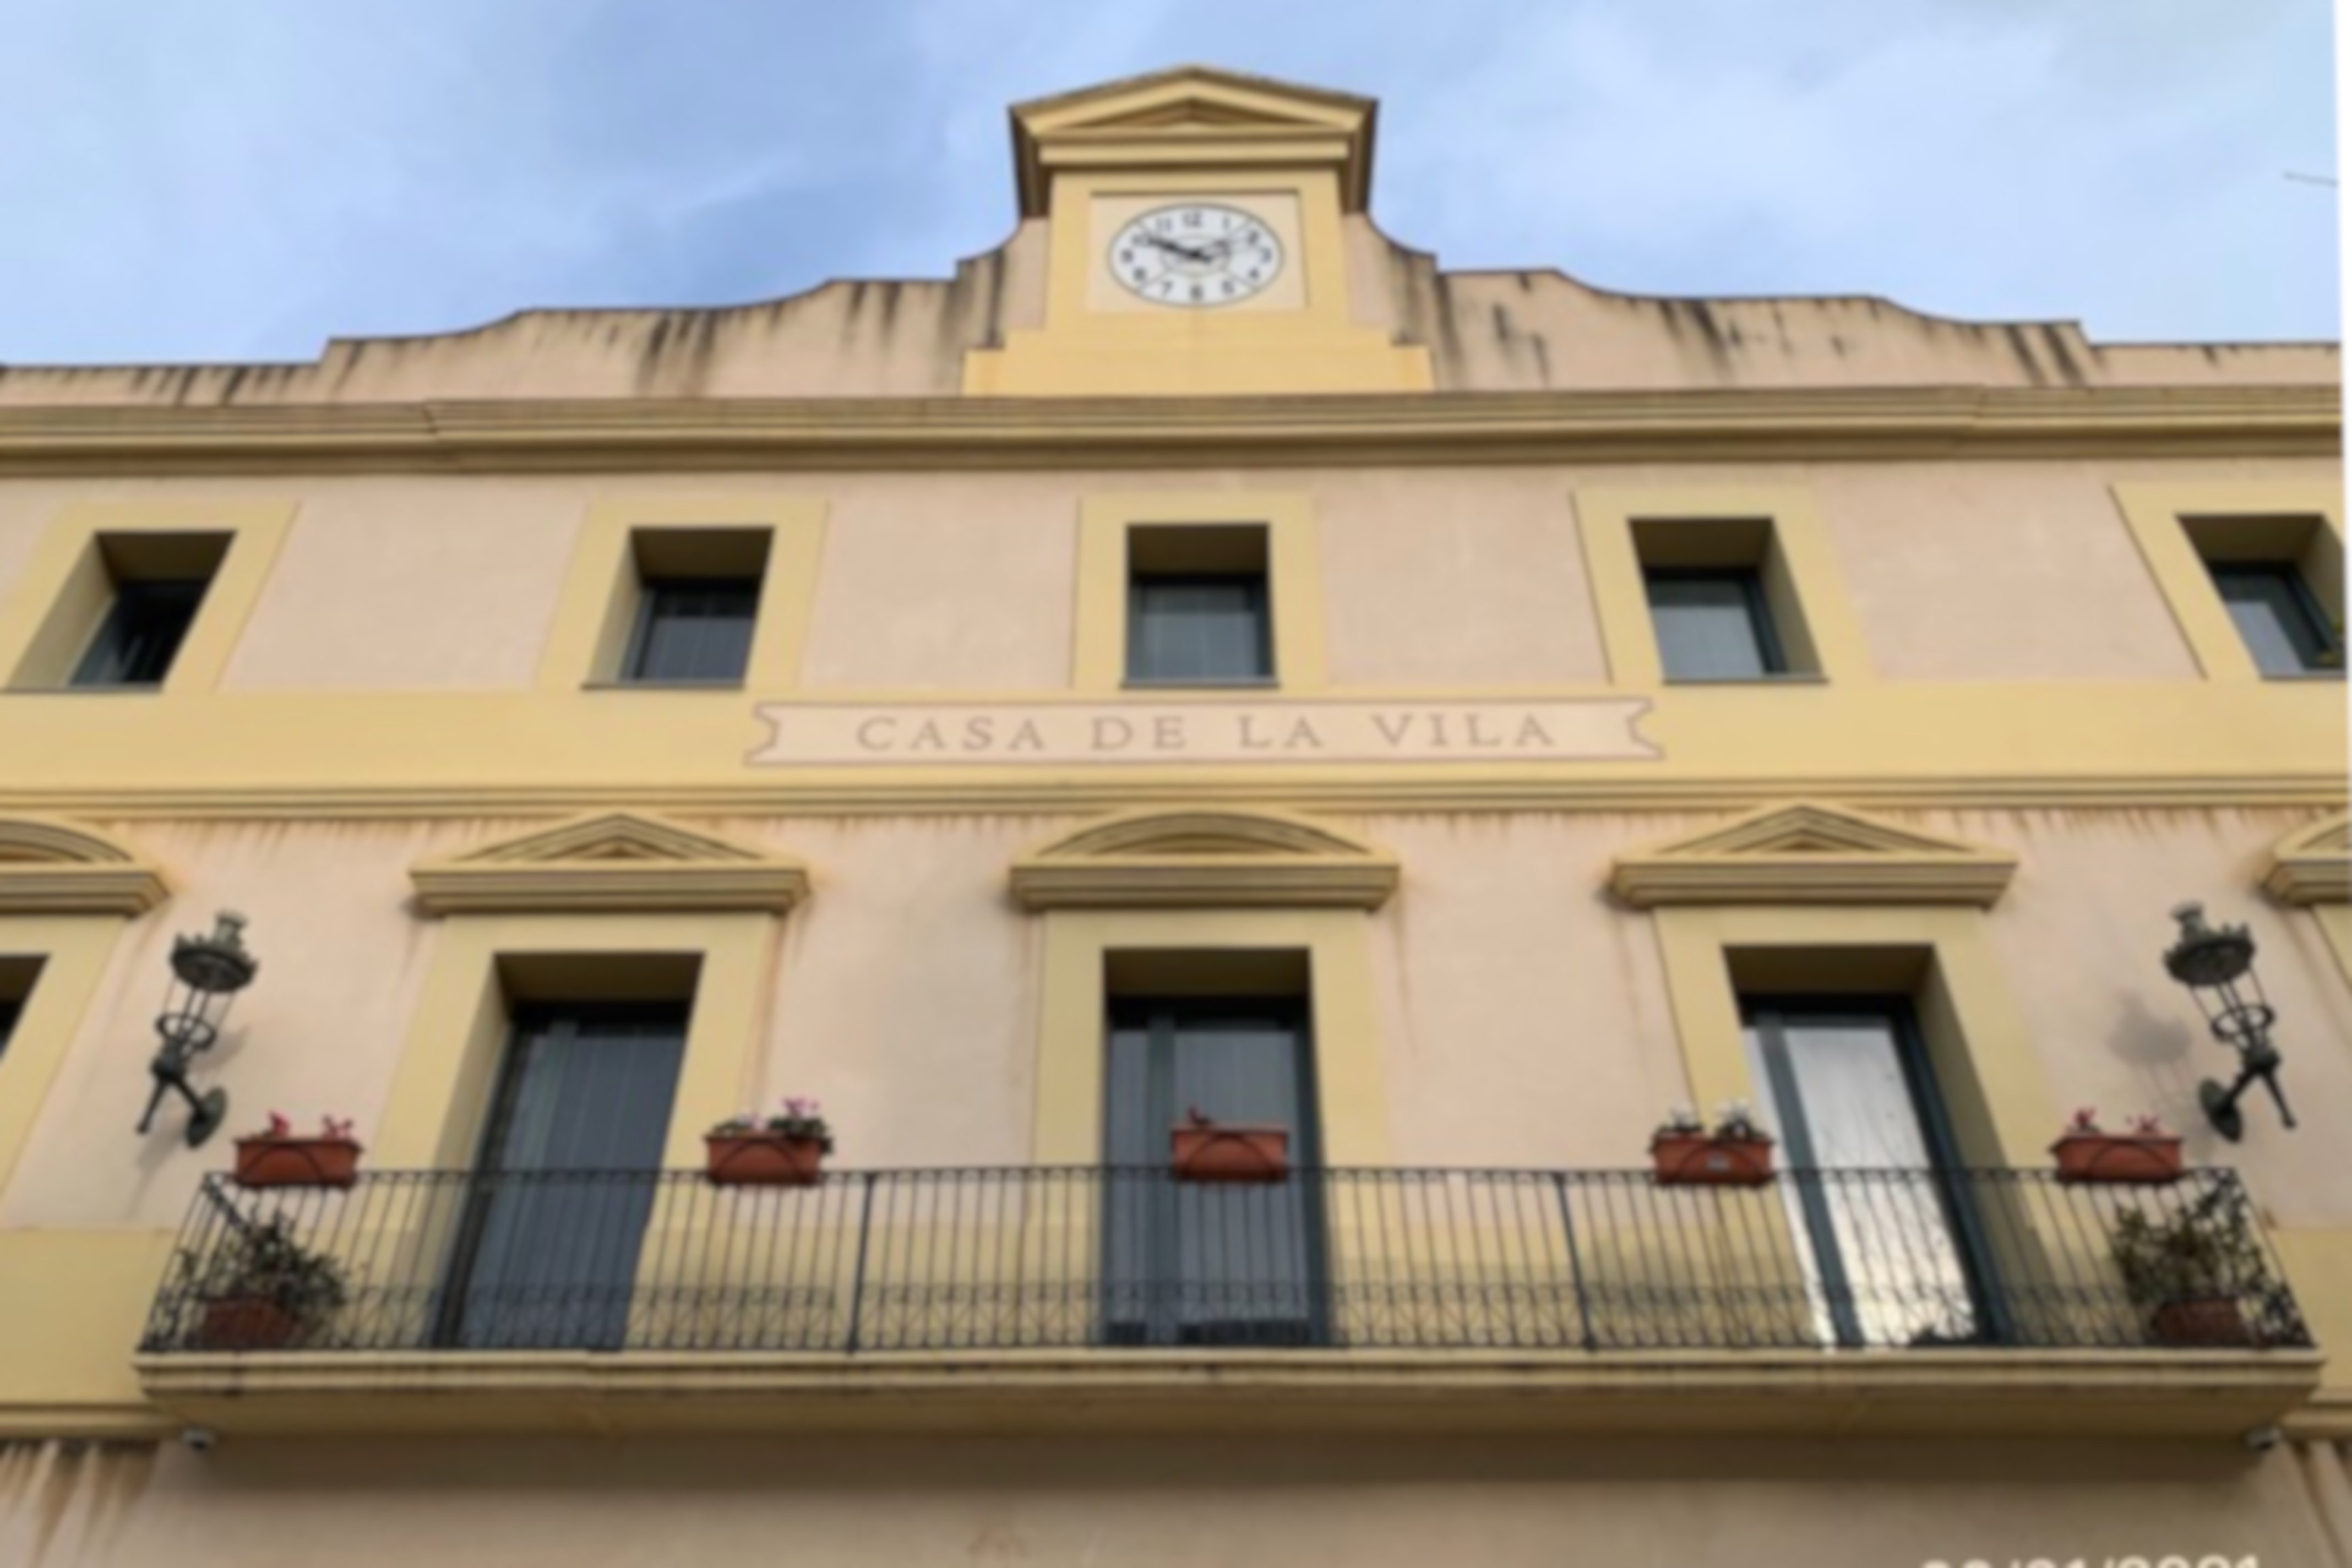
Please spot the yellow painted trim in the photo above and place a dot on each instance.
(1169, 860)
(2002, 1109)
(586, 640)
(1293, 579)
(441, 1086)
(53, 867)
(1815, 618)
(2217, 1397)
(50, 616)
(1236, 430)
(2313, 865)
(73, 1304)
(2156, 512)
(74, 950)
(1806, 852)
(2336, 925)
(610, 861)
(1349, 1067)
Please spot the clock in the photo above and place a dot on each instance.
(1195, 255)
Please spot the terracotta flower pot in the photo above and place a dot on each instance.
(1215, 1153)
(268, 1162)
(247, 1323)
(764, 1160)
(2116, 1157)
(2216, 1323)
(1699, 1160)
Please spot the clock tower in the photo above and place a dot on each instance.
(1203, 233)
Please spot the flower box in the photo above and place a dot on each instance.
(247, 1323)
(1207, 1152)
(2214, 1322)
(764, 1160)
(2144, 1159)
(268, 1161)
(1692, 1158)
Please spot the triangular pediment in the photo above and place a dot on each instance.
(2313, 865)
(1162, 858)
(1228, 117)
(53, 867)
(612, 860)
(1808, 852)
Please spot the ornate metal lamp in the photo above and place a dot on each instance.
(207, 971)
(2213, 962)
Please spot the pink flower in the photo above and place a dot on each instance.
(2086, 1120)
(2147, 1126)
(279, 1127)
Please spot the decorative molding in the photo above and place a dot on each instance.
(609, 862)
(642, 433)
(1189, 860)
(52, 868)
(2313, 865)
(1808, 853)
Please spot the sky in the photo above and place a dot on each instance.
(246, 179)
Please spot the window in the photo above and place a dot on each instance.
(11, 1008)
(693, 630)
(698, 606)
(2275, 612)
(1713, 624)
(154, 586)
(1199, 613)
(16, 977)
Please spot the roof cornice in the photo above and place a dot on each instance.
(1438, 427)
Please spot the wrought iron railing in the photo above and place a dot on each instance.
(1069, 1258)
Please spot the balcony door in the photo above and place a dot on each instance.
(546, 1252)
(1884, 1234)
(1201, 1265)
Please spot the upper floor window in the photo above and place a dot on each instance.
(1713, 623)
(1199, 613)
(151, 587)
(2277, 614)
(693, 630)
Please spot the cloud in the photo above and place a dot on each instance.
(248, 178)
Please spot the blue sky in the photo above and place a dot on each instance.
(235, 179)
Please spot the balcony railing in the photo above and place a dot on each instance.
(1070, 1257)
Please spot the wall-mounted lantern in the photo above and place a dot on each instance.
(2217, 965)
(206, 970)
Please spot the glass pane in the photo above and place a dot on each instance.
(1706, 627)
(2275, 616)
(567, 1180)
(10, 1010)
(698, 629)
(143, 632)
(1886, 1267)
(1198, 628)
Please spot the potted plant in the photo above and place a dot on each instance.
(1207, 1151)
(277, 1158)
(1738, 1153)
(2190, 1271)
(261, 1289)
(2146, 1154)
(787, 1150)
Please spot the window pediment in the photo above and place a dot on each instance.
(609, 862)
(1175, 860)
(1808, 853)
(2313, 865)
(52, 868)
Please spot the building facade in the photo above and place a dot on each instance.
(1201, 664)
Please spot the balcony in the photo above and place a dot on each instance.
(1878, 1302)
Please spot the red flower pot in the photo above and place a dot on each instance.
(1208, 1152)
(2215, 1324)
(247, 1323)
(2116, 1157)
(1697, 1159)
(764, 1160)
(267, 1162)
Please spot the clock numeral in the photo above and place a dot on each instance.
(1192, 218)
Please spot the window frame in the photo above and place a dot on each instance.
(650, 591)
(2166, 520)
(1141, 582)
(127, 591)
(1293, 573)
(2305, 605)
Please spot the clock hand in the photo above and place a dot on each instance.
(1186, 251)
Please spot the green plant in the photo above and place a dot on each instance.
(2205, 1252)
(262, 1261)
(800, 1117)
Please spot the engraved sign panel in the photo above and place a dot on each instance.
(806, 734)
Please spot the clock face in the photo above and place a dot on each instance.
(1195, 255)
